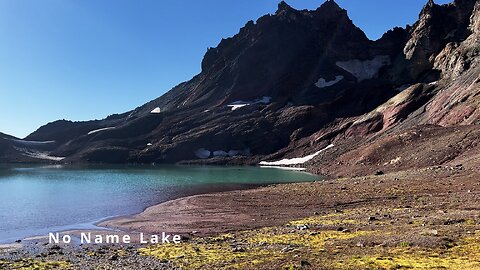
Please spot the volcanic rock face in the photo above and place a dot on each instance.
(292, 83)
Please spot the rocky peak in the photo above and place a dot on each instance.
(330, 5)
(331, 10)
(283, 8)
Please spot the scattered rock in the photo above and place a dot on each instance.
(55, 247)
(305, 263)
(303, 227)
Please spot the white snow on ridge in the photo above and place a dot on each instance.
(99, 130)
(45, 156)
(295, 161)
(157, 110)
(240, 104)
(365, 70)
(38, 154)
(237, 106)
(322, 83)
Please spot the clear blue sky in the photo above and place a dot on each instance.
(86, 59)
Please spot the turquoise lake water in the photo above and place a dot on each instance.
(37, 200)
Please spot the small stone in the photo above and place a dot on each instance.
(379, 173)
(302, 227)
(114, 257)
(370, 219)
(238, 249)
(55, 247)
(305, 263)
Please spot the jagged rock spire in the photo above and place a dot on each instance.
(283, 6)
(331, 5)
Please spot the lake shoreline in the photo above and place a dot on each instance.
(421, 207)
(224, 179)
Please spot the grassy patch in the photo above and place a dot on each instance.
(25, 264)
(466, 255)
(285, 247)
(326, 220)
(245, 250)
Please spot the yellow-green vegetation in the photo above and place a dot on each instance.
(245, 249)
(322, 221)
(313, 240)
(25, 264)
(326, 220)
(466, 255)
(317, 246)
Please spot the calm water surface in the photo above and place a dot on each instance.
(38, 200)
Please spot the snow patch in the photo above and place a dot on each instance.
(99, 130)
(240, 103)
(38, 154)
(237, 106)
(295, 161)
(202, 153)
(365, 70)
(322, 83)
(157, 110)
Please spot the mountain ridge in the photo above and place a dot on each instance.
(290, 84)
